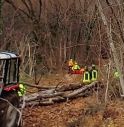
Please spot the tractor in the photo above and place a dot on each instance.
(9, 85)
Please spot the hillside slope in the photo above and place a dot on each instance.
(81, 112)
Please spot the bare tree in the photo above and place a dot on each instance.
(1, 21)
(57, 29)
(111, 43)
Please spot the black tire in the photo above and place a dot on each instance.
(11, 117)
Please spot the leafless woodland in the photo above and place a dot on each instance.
(49, 32)
(46, 33)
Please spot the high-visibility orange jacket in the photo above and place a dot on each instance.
(70, 63)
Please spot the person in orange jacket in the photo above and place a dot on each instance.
(70, 65)
(82, 70)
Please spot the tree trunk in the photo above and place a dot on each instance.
(111, 43)
(1, 26)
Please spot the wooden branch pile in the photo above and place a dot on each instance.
(60, 94)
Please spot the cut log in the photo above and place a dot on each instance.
(34, 96)
(39, 96)
(51, 96)
(80, 90)
(71, 86)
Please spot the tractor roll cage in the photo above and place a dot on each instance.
(9, 71)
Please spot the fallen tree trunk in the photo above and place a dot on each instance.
(37, 86)
(67, 87)
(51, 96)
(39, 96)
(64, 87)
(80, 90)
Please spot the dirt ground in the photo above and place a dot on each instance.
(81, 112)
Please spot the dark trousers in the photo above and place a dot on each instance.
(69, 69)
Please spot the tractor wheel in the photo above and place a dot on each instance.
(11, 117)
(10, 114)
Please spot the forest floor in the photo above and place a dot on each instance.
(89, 111)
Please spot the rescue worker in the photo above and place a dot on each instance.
(21, 94)
(86, 76)
(93, 73)
(70, 65)
(116, 74)
(22, 90)
(75, 66)
(82, 70)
